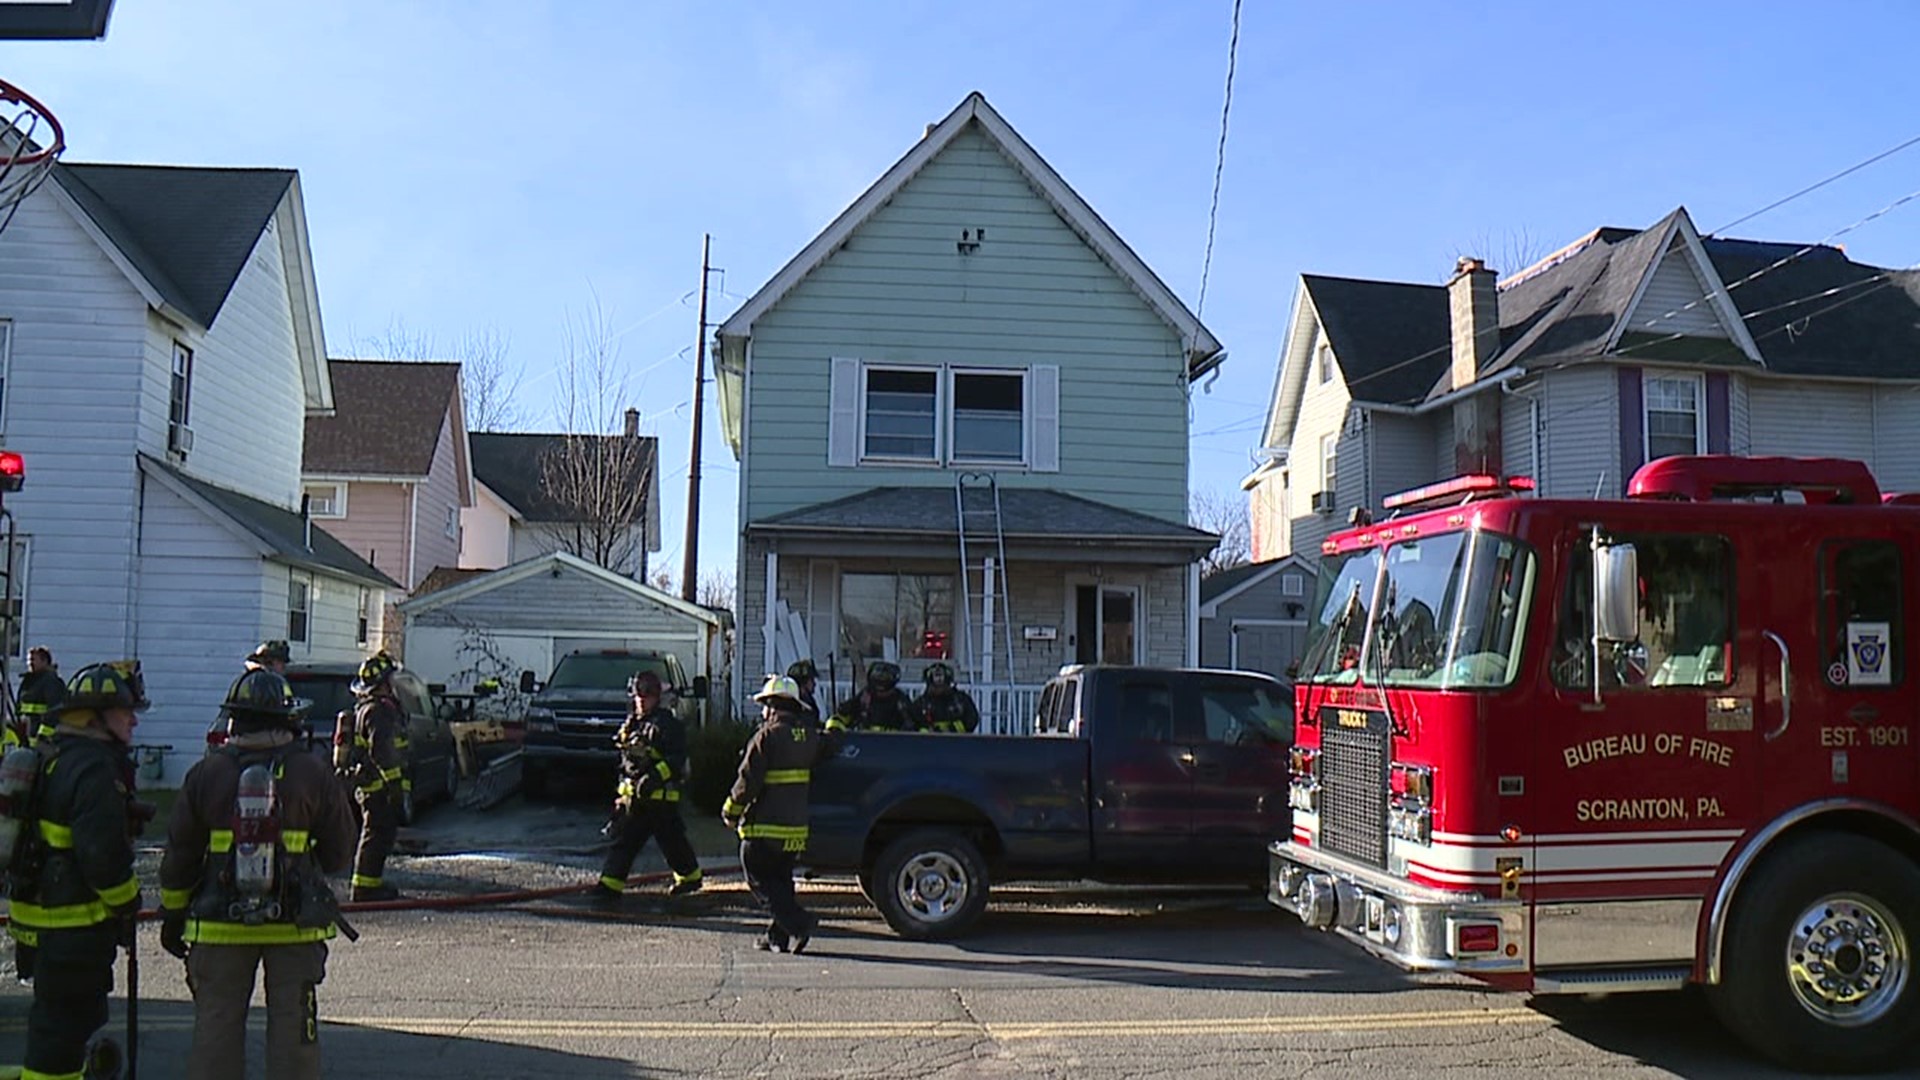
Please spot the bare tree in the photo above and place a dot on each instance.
(596, 476)
(1227, 516)
(717, 589)
(1507, 252)
(489, 382)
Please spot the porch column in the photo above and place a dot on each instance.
(1193, 614)
(766, 627)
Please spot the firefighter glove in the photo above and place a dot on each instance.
(173, 933)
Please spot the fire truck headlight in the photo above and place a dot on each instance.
(1390, 928)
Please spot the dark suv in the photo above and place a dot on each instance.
(573, 717)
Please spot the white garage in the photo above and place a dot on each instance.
(526, 616)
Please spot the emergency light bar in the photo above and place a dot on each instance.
(13, 471)
(1469, 486)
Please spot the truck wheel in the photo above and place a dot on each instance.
(931, 885)
(1818, 970)
(452, 780)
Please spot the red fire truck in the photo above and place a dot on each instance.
(1602, 746)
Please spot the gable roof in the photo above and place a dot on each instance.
(1392, 339)
(188, 231)
(276, 532)
(509, 463)
(387, 416)
(553, 562)
(1203, 350)
(1025, 513)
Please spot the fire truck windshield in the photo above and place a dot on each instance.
(1445, 612)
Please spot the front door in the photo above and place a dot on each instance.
(1106, 624)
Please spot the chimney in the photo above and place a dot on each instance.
(1475, 310)
(633, 423)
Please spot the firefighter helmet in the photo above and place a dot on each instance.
(644, 682)
(780, 692)
(884, 674)
(260, 698)
(374, 673)
(114, 685)
(939, 676)
(268, 652)
(802, 669)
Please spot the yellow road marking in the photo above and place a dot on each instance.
(500, 1028)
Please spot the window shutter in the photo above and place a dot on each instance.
(843, 420)
(1046, 418)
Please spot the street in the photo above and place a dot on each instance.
(1081, 982)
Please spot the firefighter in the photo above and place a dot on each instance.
(40, 692)
(653, 766)
(229, 910)
(768, 807)
(944, 706)
(75, 895)
(806, 677)
(879, 707)
(375, 765)
(270, 656)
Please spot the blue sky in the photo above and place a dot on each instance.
(481, 165)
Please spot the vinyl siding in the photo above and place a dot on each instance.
(1516, 436)
(1582, 417)
(1266, 599)
(1323, 410)
(1675, 285)
(1896, 437)
(1033, 293)
(376, 526)
(441, 494)
(1399, 446)
(247, 407)
(486, 528)
(1810, 419)
(574, 601)
(71, 398)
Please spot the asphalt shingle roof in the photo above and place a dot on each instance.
(386, 420)
(1390, 338)
(282, 530)
(510, 464)
(188, 231)
(1222, 581)
(1024, 512)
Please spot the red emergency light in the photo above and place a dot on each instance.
(1468, 486)
(13, 471)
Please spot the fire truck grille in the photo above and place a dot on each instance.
(1353, 790)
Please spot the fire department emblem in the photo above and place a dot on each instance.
(1867, 654)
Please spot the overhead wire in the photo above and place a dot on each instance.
(1219, 161)
(1809, 189)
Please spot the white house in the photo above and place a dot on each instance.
(162, 349)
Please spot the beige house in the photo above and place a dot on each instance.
(518, 515)
(387, 472)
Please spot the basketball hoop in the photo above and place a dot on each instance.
(30, 142)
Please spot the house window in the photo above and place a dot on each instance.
(1329, 462)
(14, 605)
(897, 615)
(452, 528)
(299, 607)
(6, 366)
(363, 627)
(989, 416)
(1325, 355)
(180, 401)
(901, 411)
(1674, 421)
(326, 500)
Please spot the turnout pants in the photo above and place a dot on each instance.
(73, 974)
(769, 868)
(221, 978)
(649, 820)
(379, 824)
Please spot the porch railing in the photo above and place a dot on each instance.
(1006, 708)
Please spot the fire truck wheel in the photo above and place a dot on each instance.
(931, 884)
(1818, 968)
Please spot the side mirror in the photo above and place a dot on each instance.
(527, 683)
(1616, 586)
(698, 691)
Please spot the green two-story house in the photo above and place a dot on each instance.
(968, 333)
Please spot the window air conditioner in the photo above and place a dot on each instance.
(180, 439)
(1323, 502)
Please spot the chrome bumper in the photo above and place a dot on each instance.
(1418, 928)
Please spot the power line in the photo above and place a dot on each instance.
(1219, 161)
(1848, 171)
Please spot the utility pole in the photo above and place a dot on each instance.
(690, 557)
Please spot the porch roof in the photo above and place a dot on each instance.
(1033, 516)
